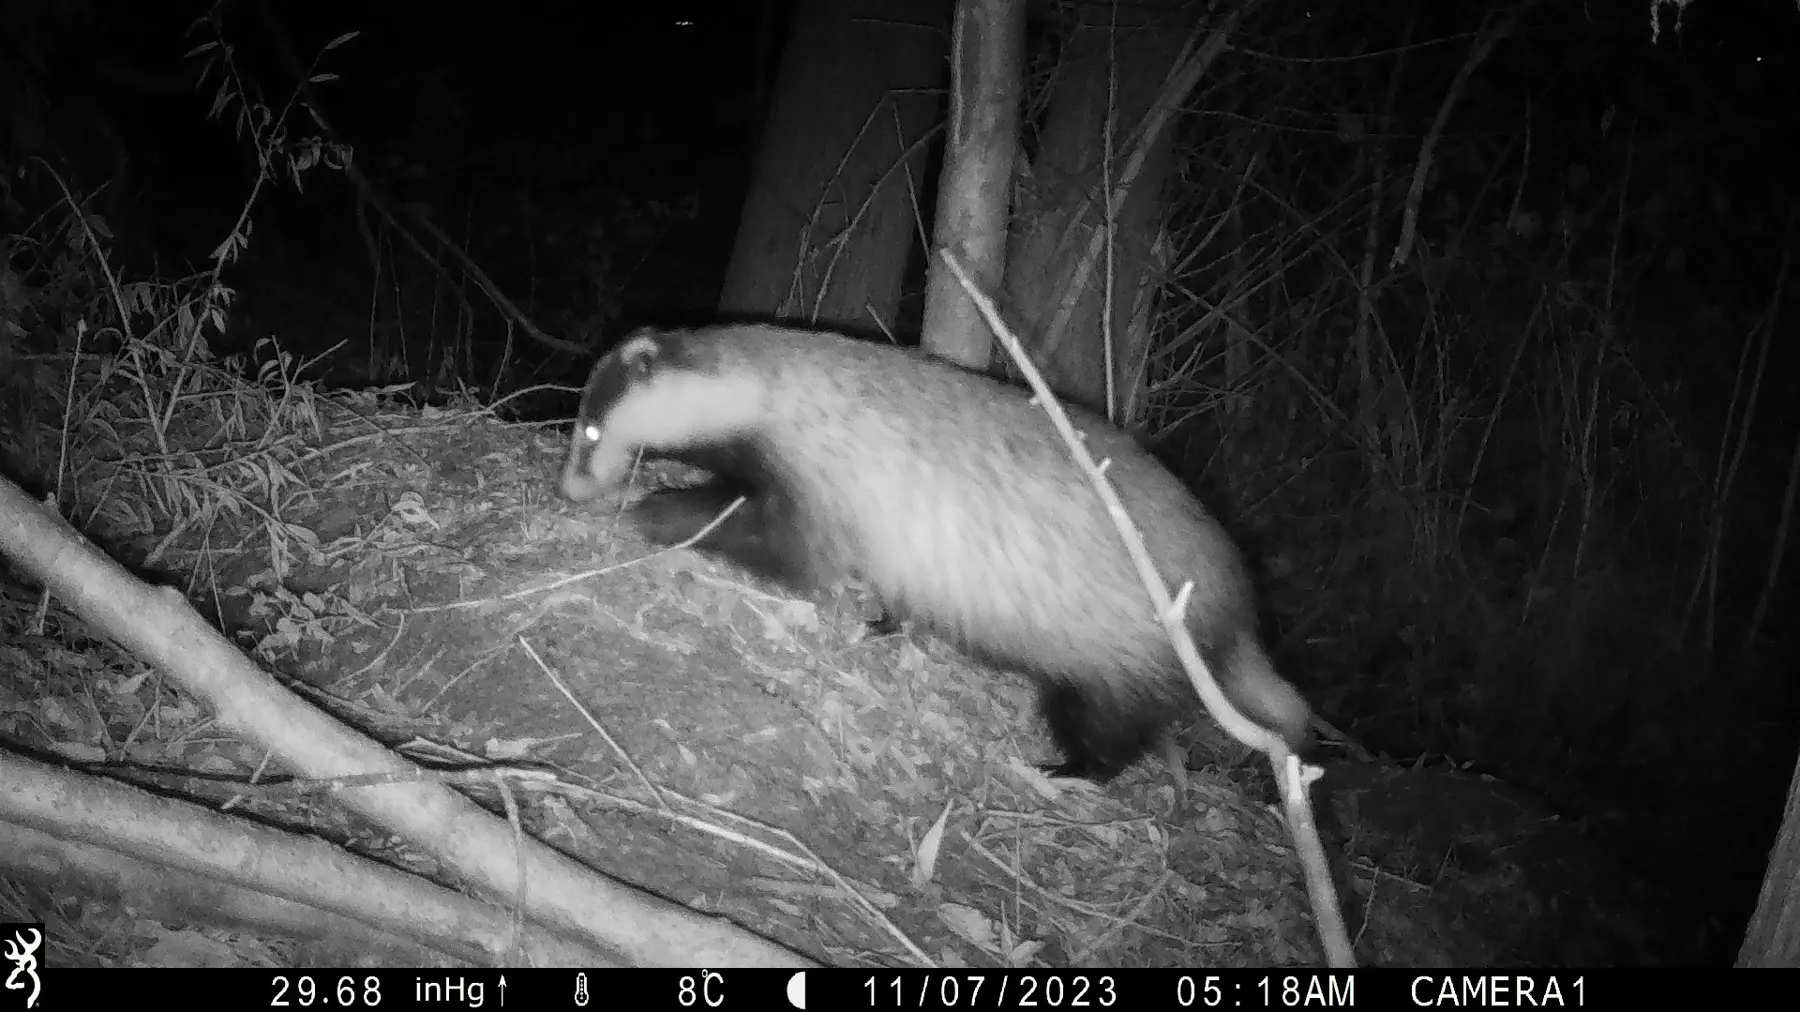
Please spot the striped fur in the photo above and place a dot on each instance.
(952, 497)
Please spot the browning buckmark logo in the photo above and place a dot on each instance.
(19, 948)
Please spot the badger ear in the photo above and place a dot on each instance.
(640, 356)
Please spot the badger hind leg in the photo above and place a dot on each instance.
(759, 535)
(1099, 733)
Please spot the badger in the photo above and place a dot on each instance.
(951, 497)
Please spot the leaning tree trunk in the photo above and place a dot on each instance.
(1059, 274)
(829, 219)
(975, 187)
(1773, 937)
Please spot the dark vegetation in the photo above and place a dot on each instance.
(1517, 492)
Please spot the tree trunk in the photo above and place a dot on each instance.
(1058, 277)
(975, 188)
(1773, 935)
(828, 222)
